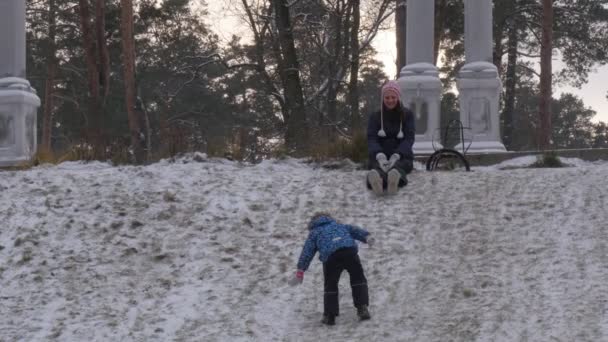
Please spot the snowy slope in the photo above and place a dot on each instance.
(202, 251)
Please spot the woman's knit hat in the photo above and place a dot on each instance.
(390, 87)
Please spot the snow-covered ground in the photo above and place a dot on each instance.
(202, 251)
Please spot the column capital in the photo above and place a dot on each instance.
(479, 70)
(15, 83)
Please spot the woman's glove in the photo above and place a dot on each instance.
(381, 158)
(391, 162)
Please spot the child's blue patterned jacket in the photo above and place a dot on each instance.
(327, 236)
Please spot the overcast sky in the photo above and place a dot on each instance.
(225, 23)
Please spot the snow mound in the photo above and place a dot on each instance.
(202, 251)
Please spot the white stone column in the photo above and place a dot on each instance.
(478, 30)
(478, 82)
(12, 38)
(18, 101)
(420, 31)
(419, 79)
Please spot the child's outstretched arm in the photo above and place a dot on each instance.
(357, 233)
(308, 252)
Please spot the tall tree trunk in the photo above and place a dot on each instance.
(259, 52)
(498, 47)
(128, 57)
(334, 64)
(440, 14)
(51, 69)
(511, 81)
(146, 118)
(353, 83)
(546, 75)
(503, 13)
(400, 33)
(296, 136)
(102, 48)
(88, 42)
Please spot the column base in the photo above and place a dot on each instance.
(14, 161)
(483, 147)
(18, 107)
(421, 89)
(479, 92)
(426, 147)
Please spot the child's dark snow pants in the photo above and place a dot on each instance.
(343, 259)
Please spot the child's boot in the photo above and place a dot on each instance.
(329, 320)
(363, 312)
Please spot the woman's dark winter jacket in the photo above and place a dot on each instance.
(391, 144)
(327, 236)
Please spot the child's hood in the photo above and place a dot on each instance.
(320, 221)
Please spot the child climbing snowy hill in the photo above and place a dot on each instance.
(338, 251)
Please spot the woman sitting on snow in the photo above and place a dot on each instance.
(390, 135)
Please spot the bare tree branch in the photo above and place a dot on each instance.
(529, 69)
